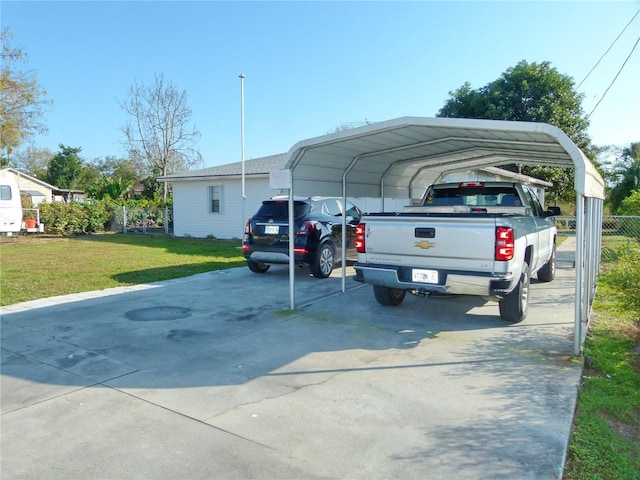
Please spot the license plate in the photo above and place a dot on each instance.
(424, 276)
(271, 229)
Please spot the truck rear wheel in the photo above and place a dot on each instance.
(389, 297)
(514, 307)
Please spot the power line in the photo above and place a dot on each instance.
(615, 78)
(608, 49)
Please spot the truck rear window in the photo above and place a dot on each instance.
(473, 196)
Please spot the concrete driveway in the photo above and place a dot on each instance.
(210, 377)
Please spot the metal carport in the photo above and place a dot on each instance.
(401, 157)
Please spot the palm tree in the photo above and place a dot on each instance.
(115, 188)
(626, 175)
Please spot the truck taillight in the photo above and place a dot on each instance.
(470, 184)
(505, 243)
(360, 245)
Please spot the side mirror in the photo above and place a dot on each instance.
(552, 212)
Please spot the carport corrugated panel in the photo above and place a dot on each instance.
(404, 149)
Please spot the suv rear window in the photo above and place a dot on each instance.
(279, 210)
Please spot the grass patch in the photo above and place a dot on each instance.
(40, 267)
(605, 440)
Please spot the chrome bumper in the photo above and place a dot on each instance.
(465, 283)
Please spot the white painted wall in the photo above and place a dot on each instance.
(192, 218)
(191, 215)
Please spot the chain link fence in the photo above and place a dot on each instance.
(143, 220)
(617, 231)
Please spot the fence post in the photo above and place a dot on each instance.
(124, 219)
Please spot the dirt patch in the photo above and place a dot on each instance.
(34, 239)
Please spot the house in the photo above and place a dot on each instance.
(39, 191)
(210, 203)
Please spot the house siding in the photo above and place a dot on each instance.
(191, 207)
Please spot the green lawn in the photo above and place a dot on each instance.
(605, 440)
(39, 267)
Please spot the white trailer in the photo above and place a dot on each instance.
(10, 206)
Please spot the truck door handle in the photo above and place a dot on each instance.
(425, 233)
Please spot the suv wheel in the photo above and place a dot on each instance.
(322, 265)
(256, 267)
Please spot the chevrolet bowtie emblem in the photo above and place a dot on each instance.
(424, 244)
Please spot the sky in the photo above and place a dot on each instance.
(311, 67)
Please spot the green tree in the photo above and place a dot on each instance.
(630, 205)
(530, 92)
(152, 188)
(113, 187)
(22, 100)
(625, 175)
(65, 168)
(129, 169)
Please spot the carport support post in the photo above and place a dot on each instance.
(292, 271)
(577, 329)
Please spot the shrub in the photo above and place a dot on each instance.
(625, 275)
(62, 219)
(97, 216)
(630, 205)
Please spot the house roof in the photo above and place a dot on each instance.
(255, 167)
(20, 175)
(55, 190)
(33, 193)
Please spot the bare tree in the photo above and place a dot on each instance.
(159, 132)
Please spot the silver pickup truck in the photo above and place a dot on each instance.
(469, 238)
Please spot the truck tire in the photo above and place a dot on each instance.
(514, 307)
(322, 265)
(389, 297)
(256, 267)
(548, 270)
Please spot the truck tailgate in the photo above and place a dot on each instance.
(456, 243)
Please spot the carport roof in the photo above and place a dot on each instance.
(389, 158)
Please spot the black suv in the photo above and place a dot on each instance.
(318, 231)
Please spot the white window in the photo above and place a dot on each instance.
(215, 199)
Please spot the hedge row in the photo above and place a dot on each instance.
(91, 217)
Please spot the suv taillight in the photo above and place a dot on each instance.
(360, 244)
(505, 243)
(247, 227)
(306, 228)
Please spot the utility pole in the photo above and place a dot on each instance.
(242, 77)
